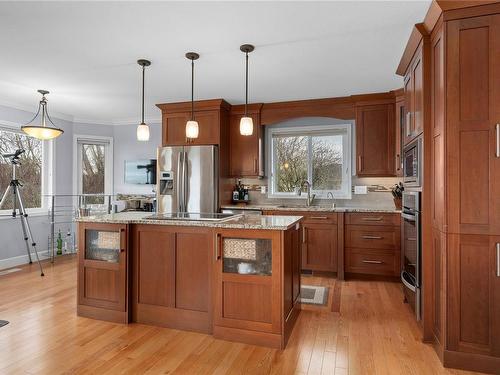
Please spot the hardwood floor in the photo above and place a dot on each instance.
(374, 333)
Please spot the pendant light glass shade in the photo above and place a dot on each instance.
(143, 128)
(192, 127)
(246, 122)
(246, 126)
(42, 131)
(143, 132)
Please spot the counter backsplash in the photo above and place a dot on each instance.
(373, 199)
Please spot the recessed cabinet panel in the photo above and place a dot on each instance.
(101, 284)
(245, 301)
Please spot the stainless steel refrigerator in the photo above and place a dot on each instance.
(187, 179)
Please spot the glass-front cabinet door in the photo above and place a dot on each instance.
(102, 265)
(248, 279)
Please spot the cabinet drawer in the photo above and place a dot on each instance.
(309, 217)
(372, 218)
(372, 261)
(372, 237)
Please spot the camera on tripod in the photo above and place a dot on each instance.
(15, 157)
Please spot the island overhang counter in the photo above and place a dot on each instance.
(238, 279)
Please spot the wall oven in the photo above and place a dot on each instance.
(412, 163)
(412, 257)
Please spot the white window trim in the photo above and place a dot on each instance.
(48, 173)
(108, 171)
(347, 157)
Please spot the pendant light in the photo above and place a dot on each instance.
(192, 128)
(246, 122)
(143, 128)
(42, 131)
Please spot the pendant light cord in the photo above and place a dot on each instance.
(143, 75)
(246, 83)
(192, 90)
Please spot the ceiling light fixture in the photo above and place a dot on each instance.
(42, 131)
(192, 128)
(246, 122)
(143, 128)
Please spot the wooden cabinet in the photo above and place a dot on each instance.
(319, 247)
(249, 286)
(473, 320)
(375, 140)
(102, 271)
(414, 97)
(400, 125)
(172, 276)
(320, 239)
(246, 152)
(473, 118)
(373, 244)
(212, 117)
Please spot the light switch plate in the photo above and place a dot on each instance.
(263, 189)
(360, 189)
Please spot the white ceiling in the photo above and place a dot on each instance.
(85, 53)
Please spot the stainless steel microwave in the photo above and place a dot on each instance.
(412, 163)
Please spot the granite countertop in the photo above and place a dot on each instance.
(268, 207)
(239, 222)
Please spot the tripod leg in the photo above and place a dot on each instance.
(26, 240)
(24, 218)
(5, 195)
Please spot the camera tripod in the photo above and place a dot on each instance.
(14, 189)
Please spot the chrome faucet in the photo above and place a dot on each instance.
(330, 195)
(310, 197)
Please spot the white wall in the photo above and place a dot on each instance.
(126, 147)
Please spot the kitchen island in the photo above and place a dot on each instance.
(238, 279)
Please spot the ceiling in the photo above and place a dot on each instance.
(85, 53)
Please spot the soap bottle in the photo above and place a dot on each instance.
(59, 243)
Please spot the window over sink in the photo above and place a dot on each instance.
(318, 154)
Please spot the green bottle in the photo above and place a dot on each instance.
(59, 243)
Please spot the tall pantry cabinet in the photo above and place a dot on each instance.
(463, 256)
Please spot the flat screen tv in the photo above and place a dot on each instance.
(140, 172)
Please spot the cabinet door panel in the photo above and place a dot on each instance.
(192, 262)
(400, 121)
(474, 292)
(418, 96)
(320, 247)
(156, 269)
(245, 150)
(473, 99)
(375, 144)
(174, 128)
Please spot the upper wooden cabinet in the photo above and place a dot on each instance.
(246, 152)
(414, 97)
(375, 140)
(212, 117)
(400, 123)
(473, 118)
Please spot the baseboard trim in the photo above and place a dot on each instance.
(471, 362)
(22, 259)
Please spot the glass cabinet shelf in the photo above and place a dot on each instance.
(102, 245)
(246, 256)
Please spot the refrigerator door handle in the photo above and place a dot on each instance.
(179, 183)
(185, 181)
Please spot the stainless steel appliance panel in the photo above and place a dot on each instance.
(168, 178)
(187, 179)
(200, 187)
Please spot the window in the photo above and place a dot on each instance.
(94, 167)
(31, 172)
(320, 155)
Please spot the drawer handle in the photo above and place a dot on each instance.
(372, 237)
(498, 259)
(372, 261)
(372, 218)
(217, 255)
(319, 217)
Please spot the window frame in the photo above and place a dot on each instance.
(347, 148)
(108, 167)
(48, 173)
